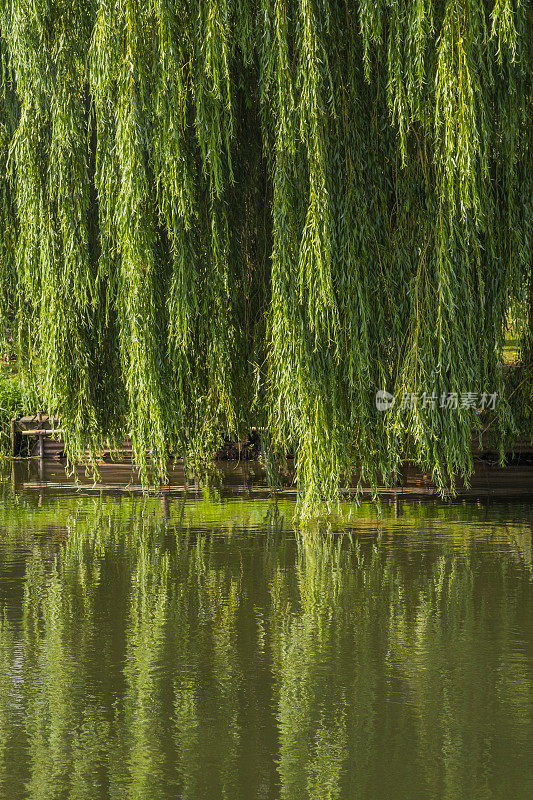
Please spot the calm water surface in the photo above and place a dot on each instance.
(205, 650)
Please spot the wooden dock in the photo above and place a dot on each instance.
(40, 438)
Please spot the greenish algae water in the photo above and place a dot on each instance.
(209, 650)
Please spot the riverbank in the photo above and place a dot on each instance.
(247, 479)
(31, 436)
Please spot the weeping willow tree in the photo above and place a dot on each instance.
(225, 213)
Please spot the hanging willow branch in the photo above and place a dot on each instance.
(225, 213)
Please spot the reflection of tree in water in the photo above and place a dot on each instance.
(311, 716)
(398, 681)
(161, 662)
(6, 651)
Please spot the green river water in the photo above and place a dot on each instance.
(210, 650)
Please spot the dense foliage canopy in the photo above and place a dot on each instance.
(218, 213)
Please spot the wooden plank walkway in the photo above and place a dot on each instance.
(243, 476)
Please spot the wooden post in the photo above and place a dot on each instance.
(41, 439)
(13, 444)
(529, 355)
(398, 477)
(41, 460)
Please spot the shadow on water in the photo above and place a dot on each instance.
(202, 649)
